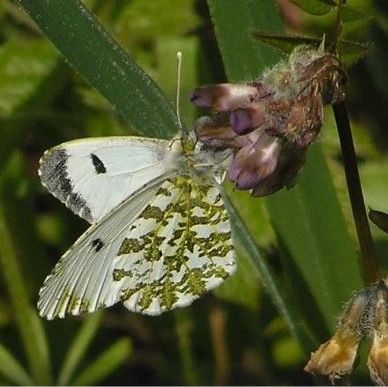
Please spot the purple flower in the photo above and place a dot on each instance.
(270, 123)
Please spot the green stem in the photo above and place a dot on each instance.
(369, 261)
(338, 26)
(26, 318)
(184, 327)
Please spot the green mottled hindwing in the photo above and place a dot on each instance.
(178, 248)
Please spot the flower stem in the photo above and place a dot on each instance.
(338, 25)
(370, 264)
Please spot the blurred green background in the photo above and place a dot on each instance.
(298, 264)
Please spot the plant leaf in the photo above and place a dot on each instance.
(105, 65)
(78, 347)
(19, 83)
(315, 7)
(270, 282)
(30, 326)
(349, 51)
(285, 42)
(12, 370)
(309, 221)
(105, 364)
(233, 21)
(379, 218)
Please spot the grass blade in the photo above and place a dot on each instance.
(12, 370)
(78, 347)
(108, 361)
(105, 65)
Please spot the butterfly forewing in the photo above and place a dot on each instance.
(82, 281)
(94, 175)
(178, 248)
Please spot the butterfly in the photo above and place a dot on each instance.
(160, 235)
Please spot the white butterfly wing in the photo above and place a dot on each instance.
(178, 248)
(94, 175)
(162, 248)
(82, 280)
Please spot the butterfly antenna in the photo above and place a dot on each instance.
(178, 85)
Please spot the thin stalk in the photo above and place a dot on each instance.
(184, 328)
(217, 322)
(28, 323)
(338, 25)
(370, 264)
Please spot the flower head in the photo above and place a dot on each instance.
(270, 123)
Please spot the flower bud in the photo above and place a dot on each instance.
(378, 356)
(291, 161)
(254, 162)
(224, 96)
(335, 358)
(245, 119)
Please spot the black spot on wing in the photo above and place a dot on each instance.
(98, 164)
(97, 244)
(55, 177)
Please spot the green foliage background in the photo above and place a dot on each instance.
(84, 73)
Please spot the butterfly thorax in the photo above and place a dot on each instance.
(193, 159)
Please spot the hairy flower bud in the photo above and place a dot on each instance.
(335, 358)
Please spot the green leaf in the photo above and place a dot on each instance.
(166, 50)
(309, 222)
(78, 347)
(105, 65)
(12, 370)
(349, 51)
(184, 328)
(315, 7)
(280, 299)
(285, 42)
(374, 177)
(379, 218)
(105, 364)
(233, 21)
(19, 83)
(30, 326)
(161, 18)
(350, 14)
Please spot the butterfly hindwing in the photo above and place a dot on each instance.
(178, 248)
(93, 175)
